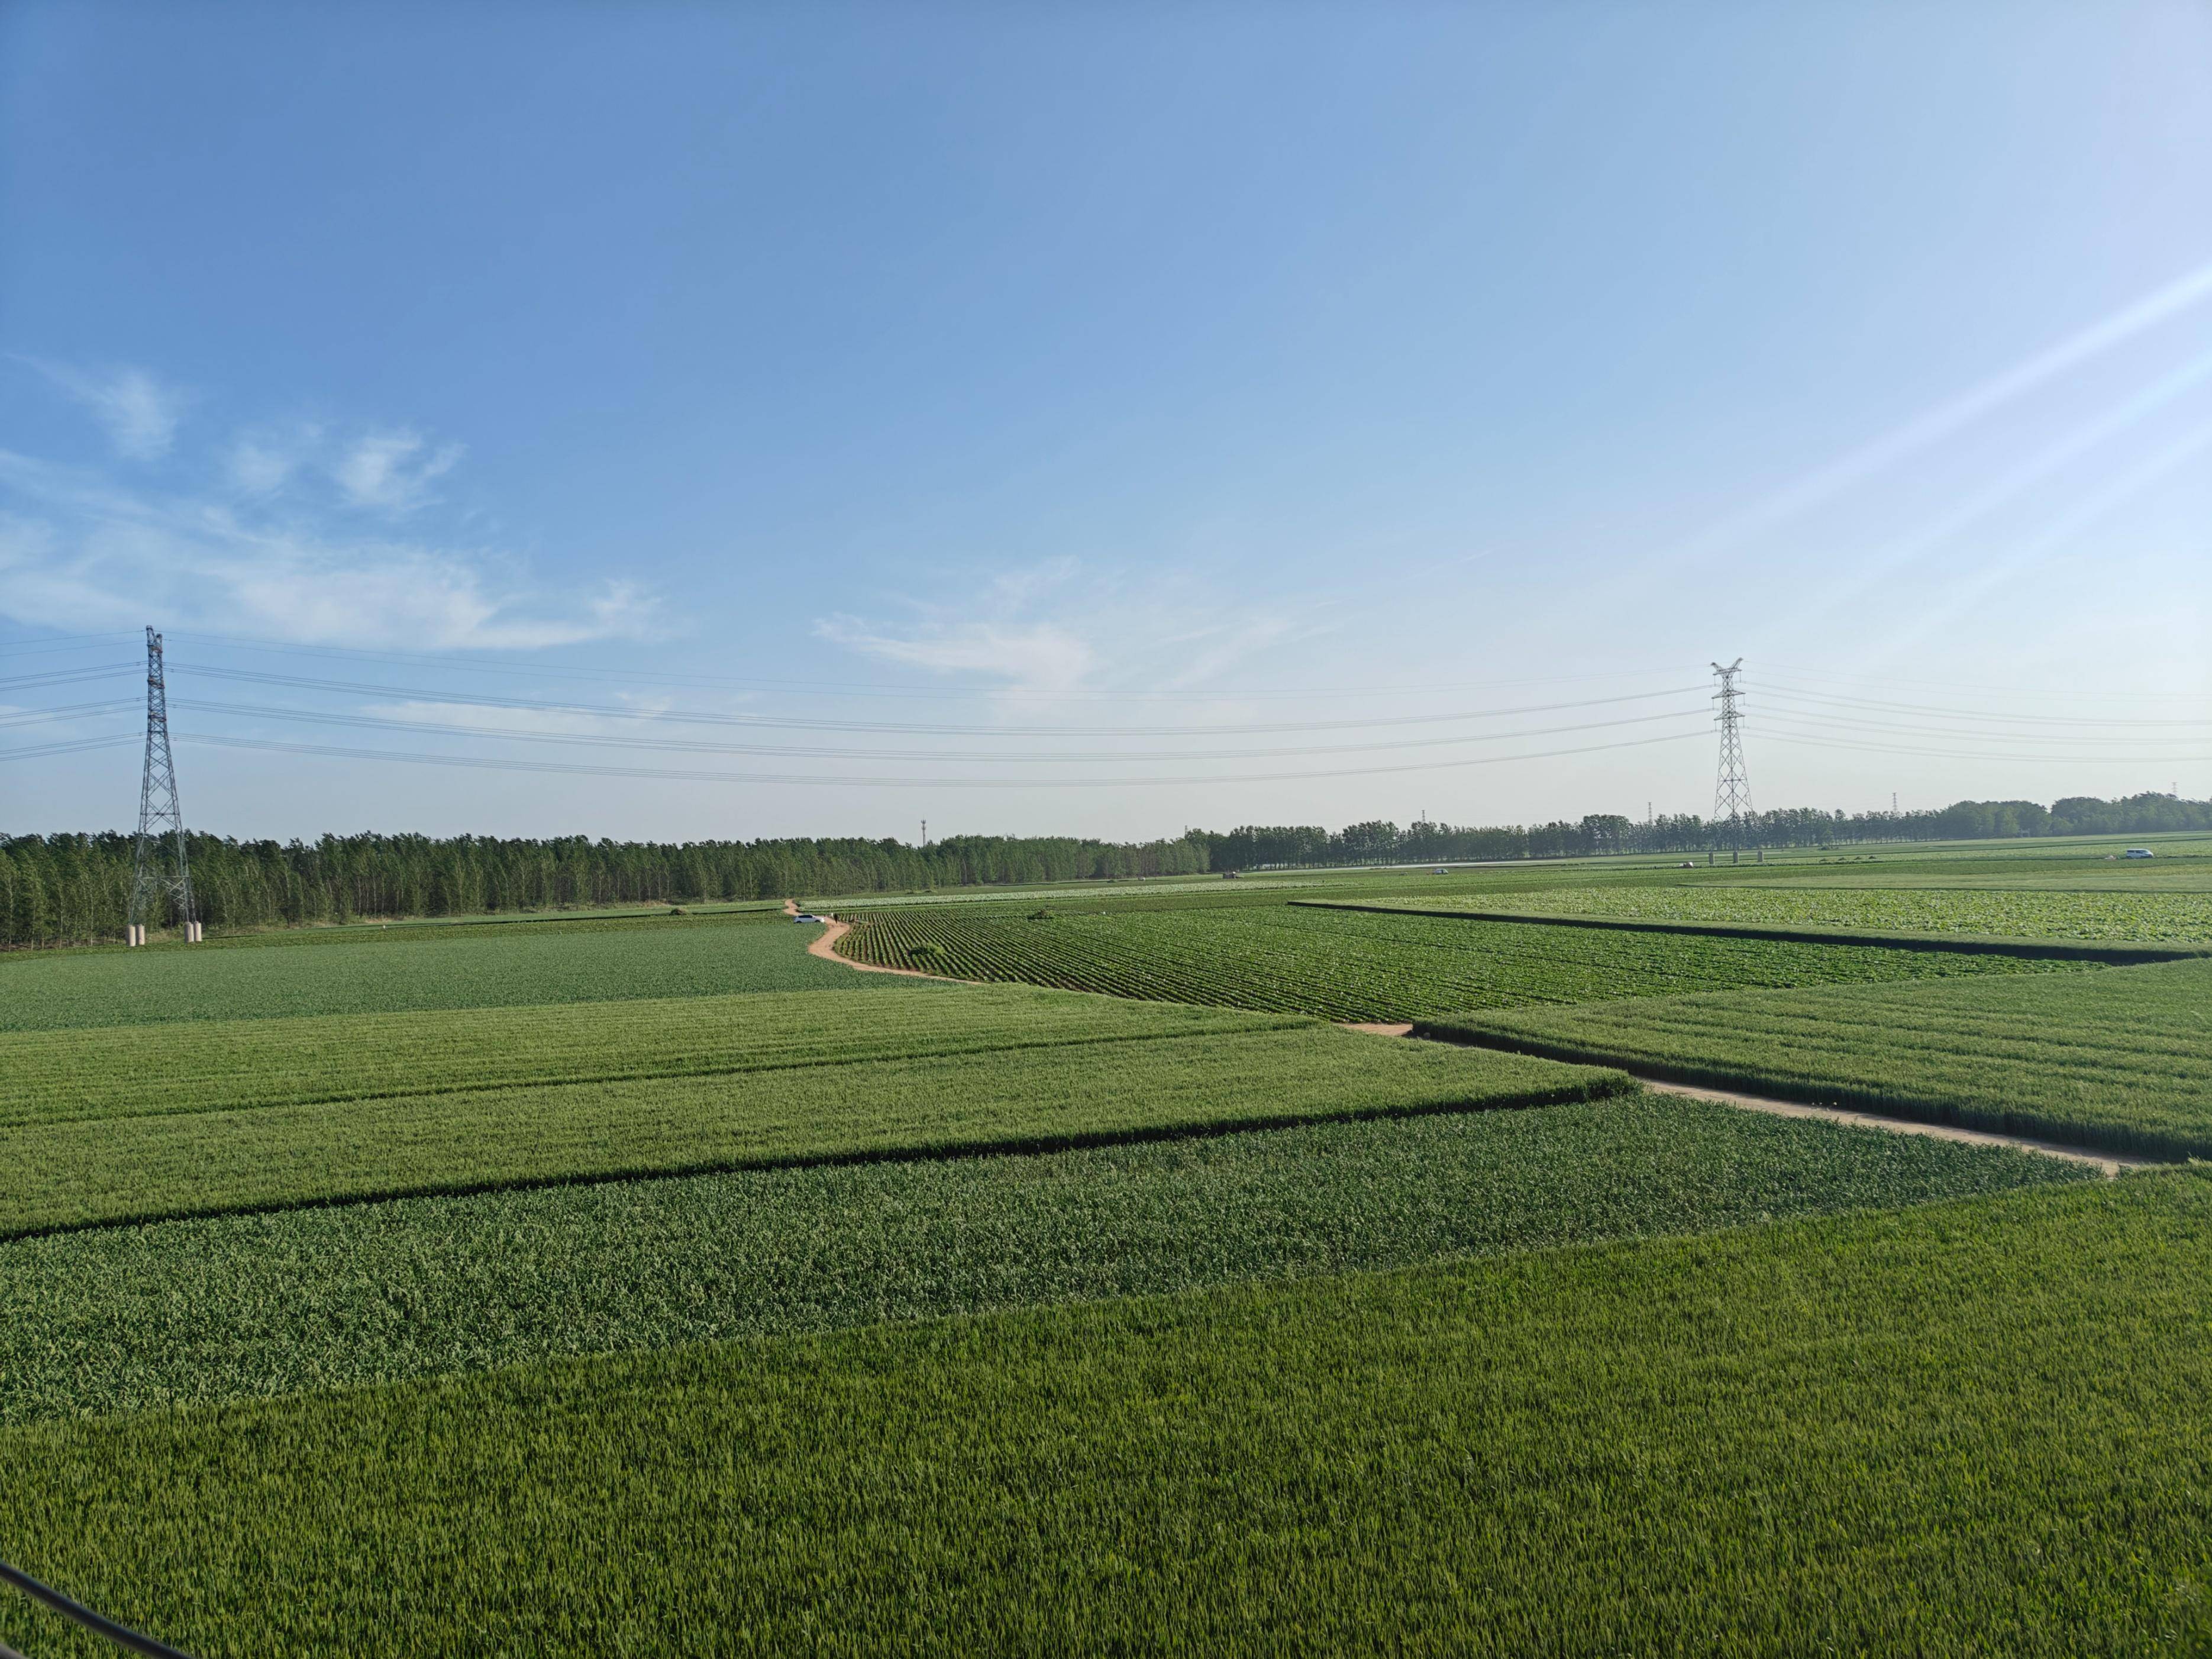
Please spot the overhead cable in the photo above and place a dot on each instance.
(787, 723)
(683, 745)
(575, 769)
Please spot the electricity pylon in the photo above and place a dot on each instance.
(158, 871)
(1732, 790)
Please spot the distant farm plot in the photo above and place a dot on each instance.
(1351, 966)
(2119, 1057)
(2151, 918)
(279, 974)
(207, 1310)
(1115, 1072)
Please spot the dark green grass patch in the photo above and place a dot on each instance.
(203, 1065)
(202, 1312)
(1972, 1427)
(2121, 1057)
(75, 1174)
(1352, 965)
(489, 968)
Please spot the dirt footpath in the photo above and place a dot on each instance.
(824, 945)
(2111, 1164)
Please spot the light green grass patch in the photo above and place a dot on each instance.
(75, 1174)
(135, 1071)
(118, 1319)
(1355, 965)
(489, 968)
(2119, 1057)
(1964, 1427)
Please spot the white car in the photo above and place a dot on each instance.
(2138, 852)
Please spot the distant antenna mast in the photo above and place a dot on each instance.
(925, 832)
(158, 870)
(1732, 792)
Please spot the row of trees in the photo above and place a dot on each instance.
(66, 888)
(57, 889)
(1257, 846)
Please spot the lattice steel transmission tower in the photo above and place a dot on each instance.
(160, 869)
(1732, 789)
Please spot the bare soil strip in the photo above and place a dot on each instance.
(2111, 1163)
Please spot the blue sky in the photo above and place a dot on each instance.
(967, 412)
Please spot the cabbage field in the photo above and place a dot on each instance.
(1355, 965)
(1972, 1426)
(2149, 918)
(2119, 1057)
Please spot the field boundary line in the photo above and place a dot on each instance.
(2114, 954)
(1283, 1023)
(2111, 1165)
(1902, 1113)
(1604, 1082)
(98, 1623)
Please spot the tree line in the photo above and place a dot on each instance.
(75, 888)
(1255, 847)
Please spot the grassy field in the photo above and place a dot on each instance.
(268, 976)
(1352, 965)
(2119, 1057)
(122, 1319)
(608, 1283)
(104, 1169)
(2159, 918)
(1962, 1427)
(135, 1071)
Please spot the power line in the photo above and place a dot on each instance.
(700, 717)
(683, 745)
(1811, 700)
(487, 763)
(845, 687)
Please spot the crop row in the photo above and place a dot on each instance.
(74, 1174)
(1960, 1428)
(2120, 1057)
(201, 1311)
(215, 1066)
(1350, 965)
(504, 966)
(2154, 918)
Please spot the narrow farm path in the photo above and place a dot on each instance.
(824, 945)
(2111, 1163)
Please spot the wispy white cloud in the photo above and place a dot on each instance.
(79, 550)
(392, 470)
(1037, 656)
(263, 461)
(1054, 626)
(140, 412)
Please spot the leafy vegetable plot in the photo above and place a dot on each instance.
(76, 1173)
(2120, 1057)
(53, 1077)
(121, 1319)
(1351, 966)
(2151, 918)
(1973, 1427)
(505, 966)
